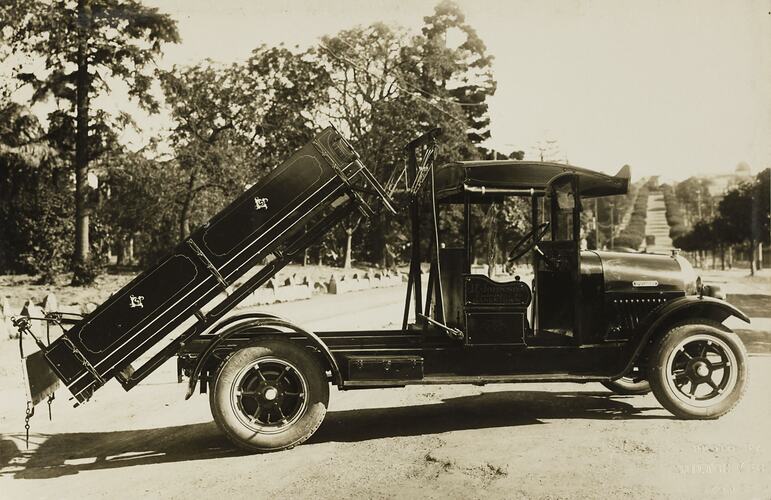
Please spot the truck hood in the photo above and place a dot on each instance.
(641, 272)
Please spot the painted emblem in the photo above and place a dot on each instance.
(260, 203)
(136, 301)
(638, 284)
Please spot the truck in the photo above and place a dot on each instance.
(635, 322)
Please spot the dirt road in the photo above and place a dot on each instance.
(504, 441)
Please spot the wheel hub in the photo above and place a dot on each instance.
(270, 393)
(701, 369)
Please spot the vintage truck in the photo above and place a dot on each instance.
(633, 321)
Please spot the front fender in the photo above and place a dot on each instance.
(259, 324)
(676, 311)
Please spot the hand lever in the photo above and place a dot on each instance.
(452, 332)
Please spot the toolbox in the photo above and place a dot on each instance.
(397, 367)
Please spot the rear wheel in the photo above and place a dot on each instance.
(270, 397)
(699, 371)
(632, 384)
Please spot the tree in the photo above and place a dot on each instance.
(700, 238)
(386, 88)
(206, 105)
(84, 45)
(455, 67)
(762, 205)
(232, 124)
(367, 74)
(735, 208)
(693, 194)
(34, 218)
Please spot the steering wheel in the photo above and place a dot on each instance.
(533, 237)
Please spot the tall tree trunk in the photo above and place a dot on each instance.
(722, 257)
(187, 203)
(730, 256)
(130, 251)
(120, 250)
(760, 256)
(348, 241)
(81, 138)
(376, 240)
(752, 257)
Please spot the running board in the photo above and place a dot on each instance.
(474, 380)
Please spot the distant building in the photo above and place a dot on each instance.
(719, 185)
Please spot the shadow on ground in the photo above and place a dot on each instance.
(64, 454)
(756, 341)
(753, 305)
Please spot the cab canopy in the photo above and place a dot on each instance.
(517, 177)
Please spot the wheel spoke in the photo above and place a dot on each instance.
(280, 412)
(692, 390)
(712, 383)
(719, 365)
(704, 348)
(685, 353)
(282, 374)
(256, 414)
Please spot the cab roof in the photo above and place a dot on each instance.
(452, 178)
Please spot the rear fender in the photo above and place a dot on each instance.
(260, 325)
(676, 311)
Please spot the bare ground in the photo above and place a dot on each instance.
(501, 441)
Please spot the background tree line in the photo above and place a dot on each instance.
(740, 220)
(230, 124)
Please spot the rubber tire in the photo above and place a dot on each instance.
(657, 374)
(626, 387)
(317, 397)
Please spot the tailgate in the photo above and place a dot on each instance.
(39, 380)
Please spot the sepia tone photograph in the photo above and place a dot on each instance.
(441, 249)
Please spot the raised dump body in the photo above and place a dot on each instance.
(193, 287)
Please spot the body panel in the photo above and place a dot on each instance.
(304, 193)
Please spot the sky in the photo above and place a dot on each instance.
(674, 88)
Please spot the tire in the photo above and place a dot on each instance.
(631, 385)
(698, 370)
(269, 397)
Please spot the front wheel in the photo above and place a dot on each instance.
(699, 371)
(270, 397)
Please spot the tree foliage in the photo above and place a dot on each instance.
(35, 213)
(695, 199)
(84, 45)
(379, 85)
(387, 87)
(741, 218)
